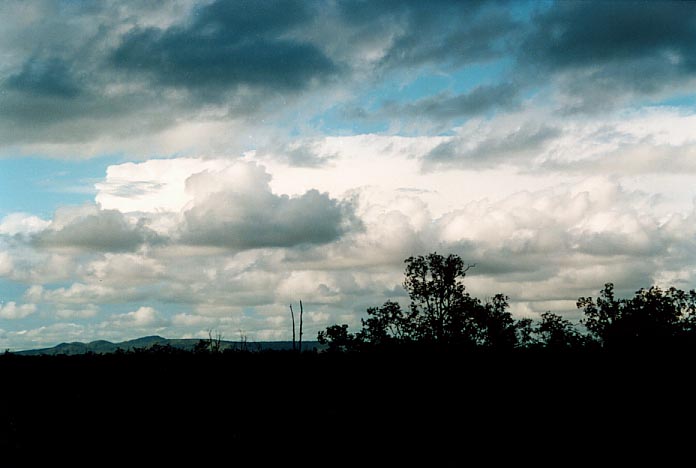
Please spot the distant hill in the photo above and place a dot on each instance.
(146, 342)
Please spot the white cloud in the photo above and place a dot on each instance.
(151, 186)
(191, 320)
(144, 317)
(22, 223)
(81, 293)
(6, 264)
(125, 270)
(12, 311)
(88, 311)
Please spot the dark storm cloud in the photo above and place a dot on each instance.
(50, 77)
(605, 48)
(103, 231)
(446, 106)
(228, 44)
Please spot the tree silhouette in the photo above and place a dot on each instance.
(556, 333)
(652, 318)
(337, 338)
(493, 326)
(440, 309)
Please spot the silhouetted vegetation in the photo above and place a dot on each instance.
(443, 314)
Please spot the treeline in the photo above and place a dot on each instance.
(442, 314)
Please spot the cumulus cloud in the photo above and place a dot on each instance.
(88, 311)
(6, 264)
(12, 311)
(144, 317)
(22, 223)
(98, 230)
(81, 293)
(235, 208)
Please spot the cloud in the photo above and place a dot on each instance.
(12, 311)
(144, 317)
(81, 293)
(236, 209)
(6, 264)
(22, 224)
(154, 185)
(88, 311)
(227, 45)
(300, 153)
(602, 50)
(516, 146)
(130, 76)
(191, 320)
(454, 33)
(99, 230)
(45, 78)
(445, 106)
(125, 269)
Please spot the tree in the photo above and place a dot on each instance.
(557, 333)
(493, 326)
(440, 306)
(654, 317)
(602, 315)
(525, 333)
(211, 345)
(386, 325)
(337, 338)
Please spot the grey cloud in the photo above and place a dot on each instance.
(432, 32)
(605, 49)
(247, 221)
(107, 230)
(298, 154)
(642, 157)
(446, 106)
(516, 147)
(45, 78)
(228, 44)
(114, 70)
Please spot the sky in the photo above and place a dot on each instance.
(175, 167)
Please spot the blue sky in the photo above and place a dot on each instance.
(39, 185)
(172, 168)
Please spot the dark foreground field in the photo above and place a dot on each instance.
(331, 410)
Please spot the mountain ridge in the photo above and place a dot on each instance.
(147, 342)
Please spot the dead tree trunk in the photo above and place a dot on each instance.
(292, 314)
(301, 311)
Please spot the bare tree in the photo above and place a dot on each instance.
(292, 314)
(301, 311)
(243, 340)
(214, 341)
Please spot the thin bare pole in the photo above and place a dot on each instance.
(301, 311)
(292, 314)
